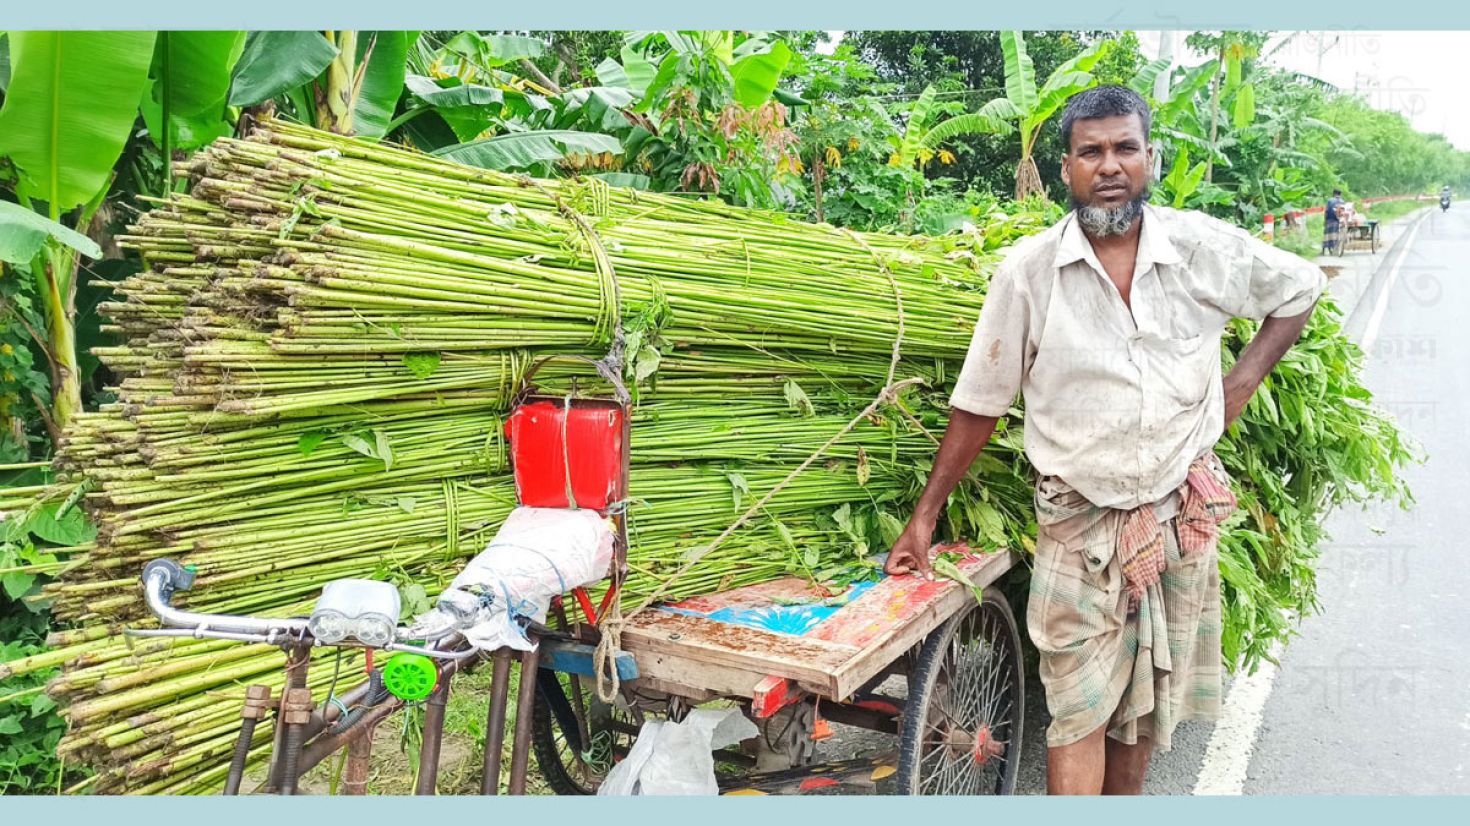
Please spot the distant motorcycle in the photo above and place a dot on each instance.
(1444, 203)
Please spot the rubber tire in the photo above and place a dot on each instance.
(548, 756)
(926, 673)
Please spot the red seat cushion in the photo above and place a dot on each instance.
(594, 445)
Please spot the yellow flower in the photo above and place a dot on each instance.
(894, 160)
(946, 156)
(6, 349)
(833, 157)
(852, 144)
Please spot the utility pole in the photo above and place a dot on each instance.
(1161, 90)
(1322, 47)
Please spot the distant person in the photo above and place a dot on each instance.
(1330, 226)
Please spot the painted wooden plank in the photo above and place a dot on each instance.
(752, 596)
(811, 663)
(884, 648)
(577, 658)
(898, 601)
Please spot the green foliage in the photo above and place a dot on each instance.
(71, 101)
(23, 234)
(524, 150)
(30, 727)
(386, 56)
(189, 78)
(274, 62)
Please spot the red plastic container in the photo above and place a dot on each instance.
(594, 445)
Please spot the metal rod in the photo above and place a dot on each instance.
(359, 761)
(520, 750)
(298, 659)
(433, 739)
(156, 589)
(332, 742)
(495, 722)
(290, 762)
(257, 705)
(242, 753)
(867, 718)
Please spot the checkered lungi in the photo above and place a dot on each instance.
(1140, 672)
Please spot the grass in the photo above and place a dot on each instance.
(461, 755)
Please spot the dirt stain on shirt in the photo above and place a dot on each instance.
(994, 353)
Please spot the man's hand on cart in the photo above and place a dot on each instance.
(964, 437)
(910, 554)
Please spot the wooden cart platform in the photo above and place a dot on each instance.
(694, 649)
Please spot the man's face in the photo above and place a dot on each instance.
(1109, 162)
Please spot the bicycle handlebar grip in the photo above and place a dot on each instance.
(180, 577)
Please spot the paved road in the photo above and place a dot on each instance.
(1374, 697)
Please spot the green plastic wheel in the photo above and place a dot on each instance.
(410, 677)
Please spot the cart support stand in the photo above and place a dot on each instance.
(359, 761)
(520, 753)
(495, 722)
(433, 738)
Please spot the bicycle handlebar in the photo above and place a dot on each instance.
(162, 578)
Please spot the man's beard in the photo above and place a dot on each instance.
(1102, 222)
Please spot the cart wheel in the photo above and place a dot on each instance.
(1374, 239)
(963, 721)
(576, 737)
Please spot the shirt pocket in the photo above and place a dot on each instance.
(1183, 369)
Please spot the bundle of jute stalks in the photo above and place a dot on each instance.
(316, 362)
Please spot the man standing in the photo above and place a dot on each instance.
(1109, 325)
(1330, 224)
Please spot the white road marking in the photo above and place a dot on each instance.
(1375, 320)
(1228, 756)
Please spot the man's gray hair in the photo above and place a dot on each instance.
(1103, 102)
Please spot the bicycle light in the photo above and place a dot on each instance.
(364, 609)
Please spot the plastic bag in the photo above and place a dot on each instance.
(539, 553)
(678, 758)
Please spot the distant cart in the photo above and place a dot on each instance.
(1359, 236)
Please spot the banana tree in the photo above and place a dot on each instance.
(347, 82)
(1024, 107)
(70, 104)
(185, 105)
(472, 108)
(1231, 52)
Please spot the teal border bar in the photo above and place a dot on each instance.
(766, 14)
(846, 811)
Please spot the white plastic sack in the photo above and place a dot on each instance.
(678, 758)
(537, 554)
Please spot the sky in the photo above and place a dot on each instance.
(1420, 74)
